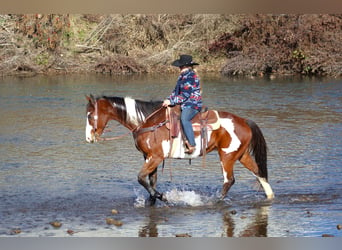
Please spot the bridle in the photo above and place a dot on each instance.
(96, 117)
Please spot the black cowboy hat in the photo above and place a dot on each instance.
(184, 60)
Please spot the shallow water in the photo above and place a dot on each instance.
(48, 172)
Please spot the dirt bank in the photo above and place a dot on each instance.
(118, 44)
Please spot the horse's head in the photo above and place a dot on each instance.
(97, 118)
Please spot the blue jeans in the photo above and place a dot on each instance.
(186, 116)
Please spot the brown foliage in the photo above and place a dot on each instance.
(283, 44)
(44, 30)
(119, 65)
(31, 42)
(251, 44)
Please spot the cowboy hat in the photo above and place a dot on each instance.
(184, 60)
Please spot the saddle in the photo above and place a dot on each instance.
(206, 119)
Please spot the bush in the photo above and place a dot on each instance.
(283, 44)
(45, 31)
(234, 44)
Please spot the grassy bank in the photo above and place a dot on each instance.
(119, 44)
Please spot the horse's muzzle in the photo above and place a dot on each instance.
(91, 138)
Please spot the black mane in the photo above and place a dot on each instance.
(144, 107)
(147, 108)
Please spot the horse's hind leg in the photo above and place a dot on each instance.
(250, 164)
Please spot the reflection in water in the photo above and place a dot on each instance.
(256, 228)
(150, 230)
(229, 224)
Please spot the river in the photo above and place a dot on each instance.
(49, 173)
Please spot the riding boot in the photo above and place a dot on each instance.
(190, 149)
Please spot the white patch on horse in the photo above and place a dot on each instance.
(148, 143)
(197, 151)
(228, 125)
(225, 179)
(132, 114)
(267, 187)
(148, 159)
(178, 148)
(166, 147)
(89, 128)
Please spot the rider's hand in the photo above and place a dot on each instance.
(166, 103)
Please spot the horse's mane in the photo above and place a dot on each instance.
(141, 107)
(147, 107)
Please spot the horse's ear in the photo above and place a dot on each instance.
(90, 99)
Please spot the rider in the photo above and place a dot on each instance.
(187, 93)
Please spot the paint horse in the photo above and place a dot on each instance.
(234, 138)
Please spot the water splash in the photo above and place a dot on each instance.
(189, 198)
(140, 200)
(177, 197)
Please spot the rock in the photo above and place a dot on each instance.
(111, 221)
(183, 235)
(233, 212)
(114, 211)
(15, 231)
(56, 224)
(339, 226)
(308, 213)
(71, 232)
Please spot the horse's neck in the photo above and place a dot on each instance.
(131, 125)
(127, 121)
(128, 114)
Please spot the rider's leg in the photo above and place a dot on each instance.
(186, 116)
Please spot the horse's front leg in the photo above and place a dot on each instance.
(150, 169)
(153, 183)
(153, 178)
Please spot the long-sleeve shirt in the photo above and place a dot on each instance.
(187, 92)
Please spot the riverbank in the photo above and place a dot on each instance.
(232, 45)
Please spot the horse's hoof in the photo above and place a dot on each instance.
(163, 198)
(160, 196)
(152, 200)
(270, 196)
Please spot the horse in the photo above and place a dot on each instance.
(235, 139)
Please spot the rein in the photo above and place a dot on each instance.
(149, 129)
(113, 138)
(139, 130)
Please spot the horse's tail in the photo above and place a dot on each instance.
(258, 148)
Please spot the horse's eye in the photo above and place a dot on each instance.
(90, 117)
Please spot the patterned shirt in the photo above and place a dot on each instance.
(187, 92)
